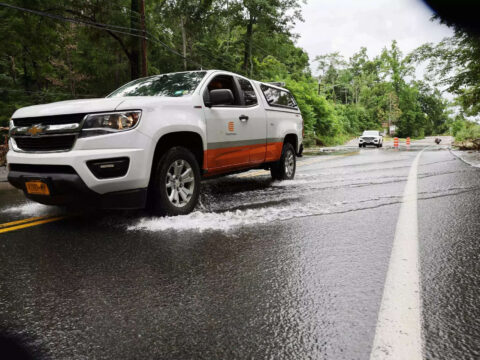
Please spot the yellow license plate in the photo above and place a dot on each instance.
(37, 188)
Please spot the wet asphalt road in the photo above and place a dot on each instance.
(284, 270)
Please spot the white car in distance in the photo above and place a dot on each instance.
(370, 137)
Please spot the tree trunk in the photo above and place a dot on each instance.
(26, 76)
(13, 71)
(134, 57)
(248, 45)
(71, 73)
(144, 40)
(184, 42)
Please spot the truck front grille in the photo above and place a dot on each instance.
(49, 120)
(367, 138)
(45, 143)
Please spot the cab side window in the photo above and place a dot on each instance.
(277, 97)
(222, 82)
(247, 92)
(292, 102)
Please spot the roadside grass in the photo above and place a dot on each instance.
(3, 145)
(3, 154)
(313, 141)
(468, 133)
(468, 138)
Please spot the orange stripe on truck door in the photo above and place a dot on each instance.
(229, 158)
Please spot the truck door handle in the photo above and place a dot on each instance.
(243, 118)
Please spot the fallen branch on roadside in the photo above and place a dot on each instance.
(472, 144)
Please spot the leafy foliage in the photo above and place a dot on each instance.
(375, 93)
(455, 64)
(91, 48)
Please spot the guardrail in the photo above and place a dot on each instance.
(3, 145)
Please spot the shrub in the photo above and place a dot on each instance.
(470, 132)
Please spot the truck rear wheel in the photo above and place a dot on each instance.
(284, 169)
(176, 183)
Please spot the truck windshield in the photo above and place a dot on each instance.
(173, 85)
(370, 133)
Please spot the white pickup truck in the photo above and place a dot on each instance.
(152, 141)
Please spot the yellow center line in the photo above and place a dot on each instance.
(23, 221)
(35, 223)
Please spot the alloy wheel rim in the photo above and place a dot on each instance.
(180, 183)
(289, 163)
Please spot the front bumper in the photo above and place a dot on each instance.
(369, 142)
(67, 188)
(137, 176)
(80, 185)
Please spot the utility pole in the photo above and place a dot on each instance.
(144, 39)
(389, 112)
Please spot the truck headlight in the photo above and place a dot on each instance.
(112, 122)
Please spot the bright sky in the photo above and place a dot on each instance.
(347, 25)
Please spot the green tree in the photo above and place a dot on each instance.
(454, 63)
(271, 16)
(435, 108)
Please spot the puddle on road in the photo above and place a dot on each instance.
(251, 202)
(226, 221)
(31, 209)
(252, 207)
(331, 151)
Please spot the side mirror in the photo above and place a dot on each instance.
(221, 97)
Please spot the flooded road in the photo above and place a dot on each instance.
(261, 269)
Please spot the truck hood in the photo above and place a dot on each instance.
(100, 105)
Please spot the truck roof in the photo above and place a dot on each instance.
(211, 71)
(271, 84)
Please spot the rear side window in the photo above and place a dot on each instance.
(277, 97)
(248, 93)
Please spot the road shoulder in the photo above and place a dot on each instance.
(469, 157)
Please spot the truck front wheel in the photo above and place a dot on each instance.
(284, 169)
(176, 183)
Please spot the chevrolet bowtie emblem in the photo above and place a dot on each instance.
(35, 130)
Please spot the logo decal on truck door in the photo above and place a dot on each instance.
(231, 126)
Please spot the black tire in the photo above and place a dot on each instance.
(279, 169)
(359, 145)
(159, 202)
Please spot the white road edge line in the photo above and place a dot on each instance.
(398, 334)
